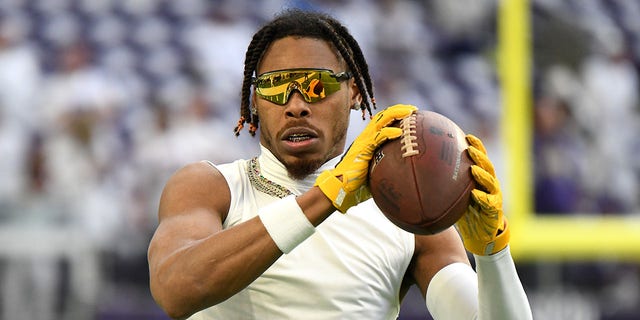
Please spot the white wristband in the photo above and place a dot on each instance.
(286, 223)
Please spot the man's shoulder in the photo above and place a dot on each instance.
(199, 174)
(230, 170)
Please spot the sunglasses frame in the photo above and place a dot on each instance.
(282, 98)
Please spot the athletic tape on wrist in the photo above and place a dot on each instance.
(286, 223)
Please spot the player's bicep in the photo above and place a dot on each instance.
(176, 232)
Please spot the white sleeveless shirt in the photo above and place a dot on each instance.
(351, 268)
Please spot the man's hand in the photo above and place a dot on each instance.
(483, 227)
(347, 184)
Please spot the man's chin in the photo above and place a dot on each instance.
(302, 168)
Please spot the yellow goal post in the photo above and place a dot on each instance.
(549, 237)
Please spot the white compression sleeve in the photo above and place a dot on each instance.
(453, 293)
(501, 293)
(495, 293)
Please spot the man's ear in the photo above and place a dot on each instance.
(356, 96)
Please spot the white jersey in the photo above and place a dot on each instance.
(351, 268)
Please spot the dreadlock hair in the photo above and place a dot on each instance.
(296, 22)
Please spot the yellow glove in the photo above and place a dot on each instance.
(347, 184)
(483, 227)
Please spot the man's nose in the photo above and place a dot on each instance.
(297, 107)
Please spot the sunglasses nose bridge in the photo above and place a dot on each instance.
(292, 88)
(296, 106)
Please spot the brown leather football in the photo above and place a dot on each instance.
(422, 181)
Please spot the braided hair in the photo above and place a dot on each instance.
(296, 22)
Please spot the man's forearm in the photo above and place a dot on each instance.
(495, 293)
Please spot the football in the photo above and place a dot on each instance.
(422, 181)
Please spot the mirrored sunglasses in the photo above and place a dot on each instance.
(313, 84)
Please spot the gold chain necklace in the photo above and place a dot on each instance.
(263, 184)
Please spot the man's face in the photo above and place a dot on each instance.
(303, 135)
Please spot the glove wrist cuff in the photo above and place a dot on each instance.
(502, 240)
(499, 242)
(332, 187)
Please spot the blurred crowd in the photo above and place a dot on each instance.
(587, 112)
(101, 100)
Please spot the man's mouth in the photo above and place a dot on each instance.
(298, 134)
(298, 137)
